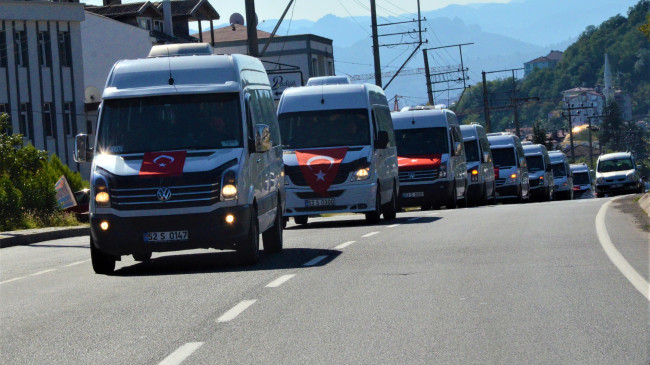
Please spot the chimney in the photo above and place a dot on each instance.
(168, 27)
(112, 2)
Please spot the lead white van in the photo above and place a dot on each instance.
(187, 155)
(510, 167)
(562, 175)
(480, 168)
(339, 151)
(431, 156)
(540, 172)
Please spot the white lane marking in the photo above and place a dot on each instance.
(393, 225)
(369, 234)
(76, 263)
(42, 272)
(617, 259)
(414, 219)
(314, 261)
(344, 245)
(236, 310)
(279, 281)
(181, 353)
(431, 214)
(10, 280)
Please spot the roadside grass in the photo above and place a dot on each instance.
(31, 220)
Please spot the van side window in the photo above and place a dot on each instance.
(270, 118)
(384, 122)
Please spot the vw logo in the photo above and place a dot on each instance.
(164, 194)
(411, 175)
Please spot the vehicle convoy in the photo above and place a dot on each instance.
(339, 151)
(510, 167)
(562, 176)
(617, 173)
(540, 172)
(582, 181)
(187, 155)
(431, 156)
(480, 168)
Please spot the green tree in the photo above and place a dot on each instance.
(539, 134)
(612, 128)
(645, 28)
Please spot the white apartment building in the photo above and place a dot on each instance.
(42, 73)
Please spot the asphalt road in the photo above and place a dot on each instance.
(508, 284)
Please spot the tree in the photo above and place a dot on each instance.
(612, 128)
(645, 28)
(539, 134)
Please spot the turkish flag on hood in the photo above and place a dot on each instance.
(419, 162)
(163, 163)
(319, 166)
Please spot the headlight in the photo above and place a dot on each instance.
(630, 176)
(600, 180)
(474, 175)
(565, 184)
(541, 177)
(100, 189)
(361, 174)
(229, 185)
(102, 198)
(512, 178)
(443, 171)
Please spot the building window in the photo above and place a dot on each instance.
(67, 118)
(65, 49)
(20, 48)
(158, 25)
(3, 48)
(47, 119)
(22, 120)
(314, 66)
(144, 23)
(44, 49)
(330, 68)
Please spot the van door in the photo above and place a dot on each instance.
(387, 162)
(457, 158)
(256, 161)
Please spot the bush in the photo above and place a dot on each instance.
(10, 205)
(55, 168)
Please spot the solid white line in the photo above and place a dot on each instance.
(617, 259)
(181, 354)
(279, 281)
(236, 310)
(369, 234)
(431, 214)
(76, 263)
(314, 261)
(393, 225)
(414, 219)
(42, 272)
(10, 280)
(344, 245)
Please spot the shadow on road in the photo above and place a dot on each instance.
(36, 245)
(362, 223)
(225, 261)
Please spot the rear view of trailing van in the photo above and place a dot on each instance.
(432, 168)
(540, 172)
(510, 168)
(480, 169)
(339, 151)
(561, 175)
(187, 156)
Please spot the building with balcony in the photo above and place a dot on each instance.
(548, 61)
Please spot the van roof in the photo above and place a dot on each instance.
(329, 97)
(328, 80)
(420, 118)
(614, 156)
(502, 139)
(470, 132)
(534, 150)
(579, 168)
(190, 74)
(557, 156)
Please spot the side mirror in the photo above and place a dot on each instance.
(262, 138)
(82, 152)
(382, 140)
(486, 157)
(457, 148)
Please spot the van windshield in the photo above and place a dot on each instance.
(558, 170)
(503, 157)
(580, 178)
(421, 141)
(620, 164)
(535, 163)
(326, 128)
(471, 151)
(170, 122)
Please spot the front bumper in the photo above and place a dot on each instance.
(474, 191)
(125, 235)
(617, 188)
(432, 193)
(508, 191)
(348, 198)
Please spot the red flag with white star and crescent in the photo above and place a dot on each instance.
(419, 162)
(163, 163)
(319, 166)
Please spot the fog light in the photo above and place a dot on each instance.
(230, 218)
(103, 225)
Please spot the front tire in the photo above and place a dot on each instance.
(390, 210)
(373, 217)
(301, 219)
(103, 263)
(272, 238)
(453, 202)
(142, 257)
(249, 250)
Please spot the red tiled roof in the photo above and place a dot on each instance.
(227, 34)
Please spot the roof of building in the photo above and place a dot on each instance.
(121, 10)
(229, 33)
(179, 8)
(553, 56)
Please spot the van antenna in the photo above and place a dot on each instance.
(169, 64)
(322, 93)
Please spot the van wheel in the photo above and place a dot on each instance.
(103, 263)
(453, 203)
(249, 250)
(301, 219)
(142, 256)
(272, 238)
(390, 210)
(484, 197)
(373, 217)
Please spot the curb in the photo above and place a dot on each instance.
(26, 237)
(644, 202)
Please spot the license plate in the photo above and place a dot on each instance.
(165, 236)
(416, 194)
(319, 202)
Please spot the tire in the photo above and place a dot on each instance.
(249, 250)
(142, 257)
(390, 210)
(272, 238)
(453, 203)
(373, 217)
(102, 263)
(484, 198)
(301, 219)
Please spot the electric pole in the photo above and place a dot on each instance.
(514, 104)
(251, 28)
(486, 106)
(445, 77)
(375, 42)
(428, 75)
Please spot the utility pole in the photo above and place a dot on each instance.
(514, 104)
(486, 107)
(428, 75)
(251, 28)
(445, 77)
(570, 116)
(375, 42)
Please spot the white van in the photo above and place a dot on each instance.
(510, 168)
(617, 173)
(540, 172)
(583, 184)
(431, 156)
(187, 155)
(562, 175)
(339, 151)
(480, 168)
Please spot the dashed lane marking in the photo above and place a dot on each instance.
(344, 245)
(279, 281)
(76, 263)
(393, 225)
(615, 256)
(431, 214)
(10, 280)
(42, 272)
(236, 310)
(314, 261)
(369, 234)
(414, 219)
(181, 353)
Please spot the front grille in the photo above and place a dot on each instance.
(421, 175)
(500, 182)
(614, 180)
(297, 178)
